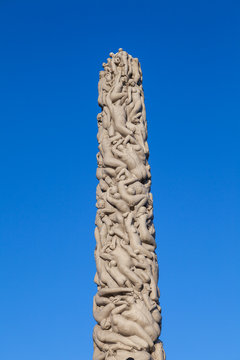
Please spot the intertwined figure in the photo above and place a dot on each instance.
(126, 306)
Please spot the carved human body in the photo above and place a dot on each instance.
(126, 306)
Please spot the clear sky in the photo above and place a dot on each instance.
(51, 53)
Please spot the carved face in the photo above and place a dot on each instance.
(117, 60)
(99, 119)
(124, 80)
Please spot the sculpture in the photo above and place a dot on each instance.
(126, 306)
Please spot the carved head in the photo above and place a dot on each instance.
(138, 147)
(117, 196)
(113, 190)
(150, 202)
(138, 187)
(117, 60)
(100, 204)
(105, 324)
(108, 76)
(99, 118)
(124, 80)
(101, 74)
(99, 160)
(131, 190)
(121, 147)
(112, 263)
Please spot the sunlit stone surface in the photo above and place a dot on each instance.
(126, 306)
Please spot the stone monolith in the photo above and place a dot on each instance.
(126, 306)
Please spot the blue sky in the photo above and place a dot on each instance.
(51, 52)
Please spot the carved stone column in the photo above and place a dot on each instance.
(126, 306)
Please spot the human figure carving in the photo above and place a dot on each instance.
(114, 198)
(115, 102)
(126, 306)
(105, 150)
(134, 238)
(134, 101)
(143, 230)
(132, 156)
(132, 191)
(124, 262)
(136, 71)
